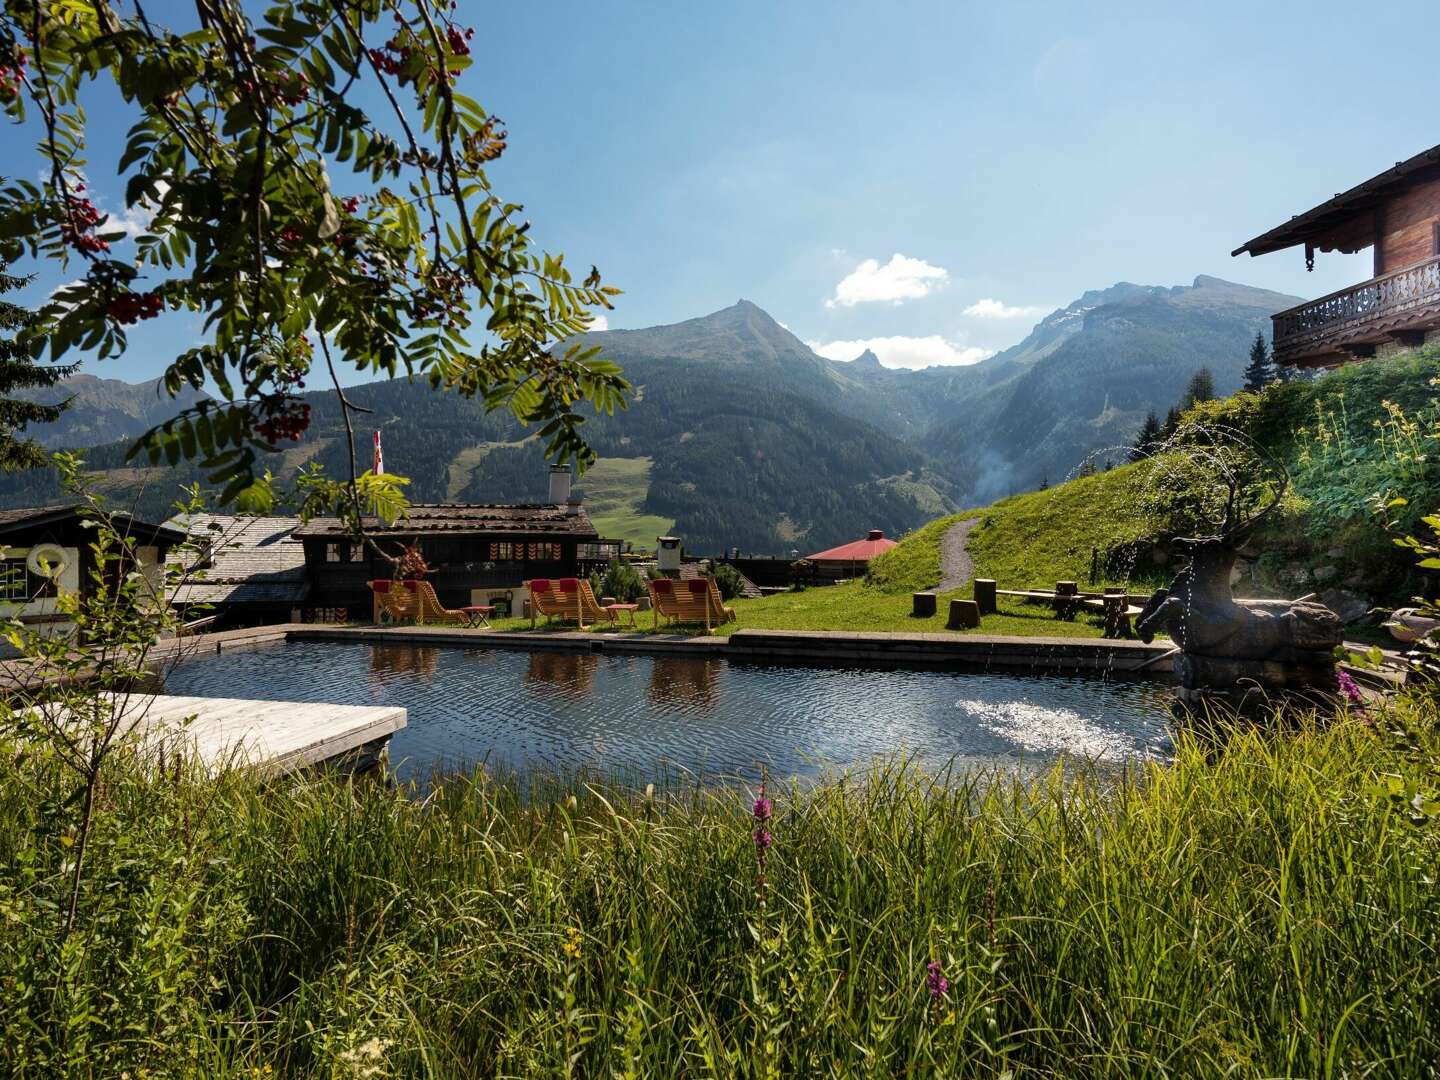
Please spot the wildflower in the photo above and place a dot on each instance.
(764, 808)
(763, 840)
(571, 947)
(935, 980)
(1351, 689)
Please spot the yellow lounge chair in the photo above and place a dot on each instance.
(430, 609)
(695, 600)
(565, 598)
(393, 602)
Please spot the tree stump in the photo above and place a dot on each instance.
(922, 605)
(985, 596)
(1066, 609)
(964, 615)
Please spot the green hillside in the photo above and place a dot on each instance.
(615, 490)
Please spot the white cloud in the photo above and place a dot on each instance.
(904, 352)
(599, 322)
(998, 309)
(901, 279)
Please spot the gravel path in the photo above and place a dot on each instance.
(956, 566)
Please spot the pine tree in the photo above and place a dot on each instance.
(1172, 423)
(1200, 388)
(19, 372)
(1151, 434)
(1260, 372)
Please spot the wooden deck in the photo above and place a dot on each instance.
(274, 737)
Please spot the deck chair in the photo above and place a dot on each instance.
(566, 598)
(392, 601)
(696, 600)
(430, 609)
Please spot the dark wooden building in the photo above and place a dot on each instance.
(1397, 213)
(45, 551)
(481, 553)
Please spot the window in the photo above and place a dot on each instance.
(14, 583)
(503, 551)
(337, 552)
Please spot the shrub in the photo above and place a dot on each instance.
(622, 581)
(727, 579)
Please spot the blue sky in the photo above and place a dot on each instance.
(931, 176)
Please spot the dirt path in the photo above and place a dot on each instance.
(956, 566)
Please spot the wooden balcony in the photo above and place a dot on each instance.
(1399, 306)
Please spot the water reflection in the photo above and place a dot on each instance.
(684, 682)
(644, 716)
(571, 675)
(392, 660)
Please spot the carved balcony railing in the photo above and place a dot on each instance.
(1396, 301)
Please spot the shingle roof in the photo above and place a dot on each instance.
(466, 519)
(26, 516)
(254, 561)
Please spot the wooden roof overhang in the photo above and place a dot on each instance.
(497, 522)
(1345, 222)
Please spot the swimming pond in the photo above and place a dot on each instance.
(641, 717)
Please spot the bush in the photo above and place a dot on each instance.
(621, 581)
(727, 579)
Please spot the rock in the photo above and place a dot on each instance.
(1335, 553)
(1348, 605)
(1324, 574)
(1294, 575)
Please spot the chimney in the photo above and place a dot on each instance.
(667, 557)
(875, 534)
(559, 485)
(572, 506)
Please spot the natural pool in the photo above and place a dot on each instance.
(640, 717)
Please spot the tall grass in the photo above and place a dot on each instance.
(1256, 909)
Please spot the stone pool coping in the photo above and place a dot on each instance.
(983, 651)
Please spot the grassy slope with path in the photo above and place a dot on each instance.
(615, 489)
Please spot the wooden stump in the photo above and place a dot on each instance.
(922, 604)
(964, 615)
(985, 596)
(1066, 609)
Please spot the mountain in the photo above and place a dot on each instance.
(1082, 381)
(739, 435)
(104, 410)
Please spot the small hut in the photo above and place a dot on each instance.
(849, 560)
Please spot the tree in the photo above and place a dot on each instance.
(19, 372)
(1260, 372)
(1201, 387)
(1172, 422)
(1149, 436)
(303, 231)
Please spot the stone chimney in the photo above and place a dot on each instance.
(559, 485)
(572, 506)
(667, 555)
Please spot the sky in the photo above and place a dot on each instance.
(925, 179)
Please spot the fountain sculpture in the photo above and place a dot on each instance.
(1230, 650)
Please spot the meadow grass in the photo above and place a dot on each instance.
(1259, 907)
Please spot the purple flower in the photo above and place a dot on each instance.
(1351, 689)
(763, 840)
(763, 807)
(938, 985)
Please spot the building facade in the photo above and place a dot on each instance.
(1397, 214)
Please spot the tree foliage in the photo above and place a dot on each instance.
(304, 231)
(19, 372)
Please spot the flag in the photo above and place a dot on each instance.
(379, 456)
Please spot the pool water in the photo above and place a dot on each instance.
(646, 717)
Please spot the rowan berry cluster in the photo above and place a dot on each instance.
(11, 75)
(459, 42)
(129, 308)
(294, 89)
(285, 418)
(350, 204)
(290, 235)
(81, 216)
(392, 57)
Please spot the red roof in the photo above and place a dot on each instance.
(856, 550)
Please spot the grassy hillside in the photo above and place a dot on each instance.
(615, 490)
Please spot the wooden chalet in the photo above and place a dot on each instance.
(45, 552)
(849, 560)
(480, 553)
(1397, 213)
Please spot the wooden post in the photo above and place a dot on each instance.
(985, 596)
(922, 605)
(1066, 609)
(964, 615)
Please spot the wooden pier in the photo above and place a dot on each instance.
(274, 737)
